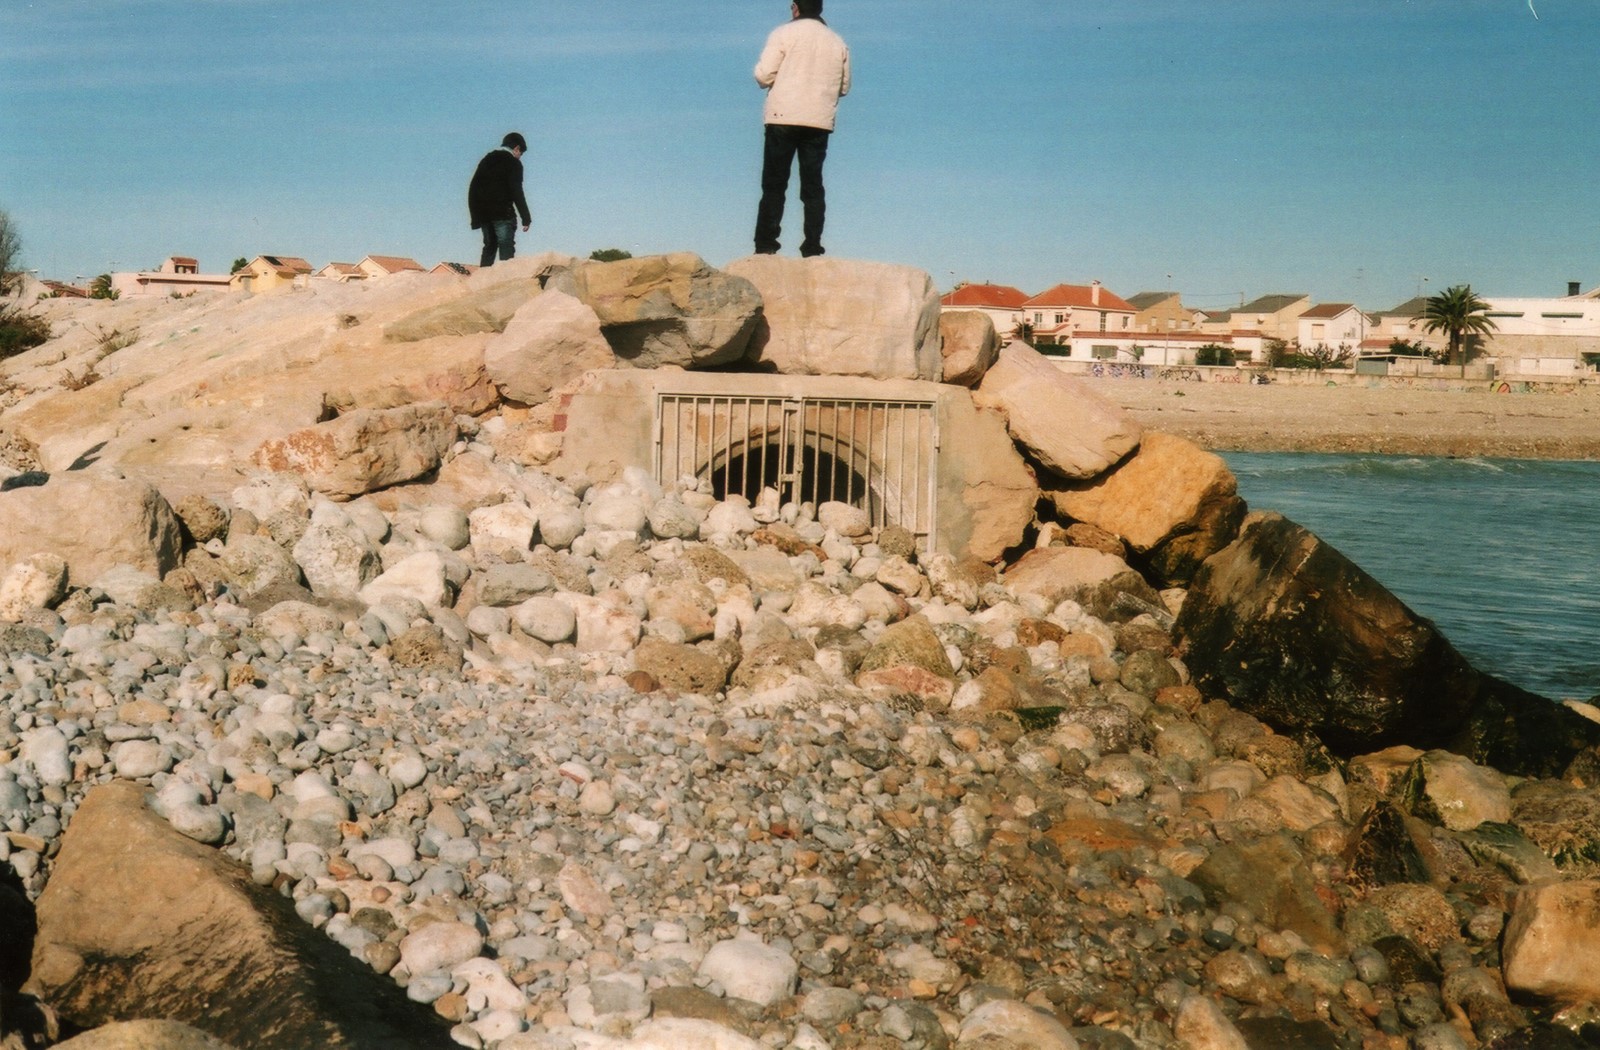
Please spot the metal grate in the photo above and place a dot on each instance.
(878, 454)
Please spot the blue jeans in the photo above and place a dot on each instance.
(784, 142)
(499, 236)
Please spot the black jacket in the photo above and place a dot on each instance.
(496, 189)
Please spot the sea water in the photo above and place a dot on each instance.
(1503, 555)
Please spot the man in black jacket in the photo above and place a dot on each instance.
(495, 199)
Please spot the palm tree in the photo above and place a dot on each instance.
(1458, 312)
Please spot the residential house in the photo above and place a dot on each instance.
(1162, 312)
(1331, 325)
(455, 269)
(1403, 323)
(341, 272)
(1060, 312)
(179, 275)
(1273, 316)
(1558, 336)
(266, 273)
(384, 265)
(1001, 302)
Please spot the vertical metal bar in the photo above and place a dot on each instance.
(833, 467)
(869, 457)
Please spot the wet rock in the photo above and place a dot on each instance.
(1290, 630)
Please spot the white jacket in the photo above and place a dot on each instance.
(805, 68)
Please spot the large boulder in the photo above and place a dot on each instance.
(364, 450)
(139, 921)
(1063, 424)
(969, 344)
(143, 1035)
(1552, 941)
(666, 309)
(843, 317)
(1102, 583)
(93, 523)
(1172, 502)
(1284, 627)
(486, 302)
(550, 341)
(988, 497)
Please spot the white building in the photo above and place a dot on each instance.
(1542, 337)
(179, 275)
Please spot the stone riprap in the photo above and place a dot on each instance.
(889, 801)
(590, 760)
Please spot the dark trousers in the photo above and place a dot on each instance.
(499, 238)
(784, 142)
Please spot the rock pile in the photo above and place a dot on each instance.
(501, 758)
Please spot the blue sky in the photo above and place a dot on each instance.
(1342, 148)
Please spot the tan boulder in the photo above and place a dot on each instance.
(911, 642)
(448, 369)
(364, 450)
(1552, 941)
(1172, 502)
(969, 344)
(551, 340)
(987, 496)
(143, 1035)
(139, 921)
(666, 309)
(843, 317)
(688, 668)
(1101, 583)
(485, 302)
(93, 522)
(1458, 792)
(1057, 419)
(36, 582)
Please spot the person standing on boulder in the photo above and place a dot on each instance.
(805, 69)
(495, 199)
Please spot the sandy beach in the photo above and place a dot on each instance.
(1418, 422)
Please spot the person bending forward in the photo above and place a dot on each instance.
(495, 199)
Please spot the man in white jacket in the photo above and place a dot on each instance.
(805, 69)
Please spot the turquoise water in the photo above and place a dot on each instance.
(1502, 555)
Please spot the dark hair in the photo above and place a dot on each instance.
(809, 8)
(513, 140)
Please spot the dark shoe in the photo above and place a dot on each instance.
(767, 249)
(809, 252)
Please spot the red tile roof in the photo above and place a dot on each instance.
(1081, 296)
(994, 296)
(393, 263)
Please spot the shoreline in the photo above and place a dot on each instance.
(1282, 417)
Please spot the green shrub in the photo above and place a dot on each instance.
(20, 331)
